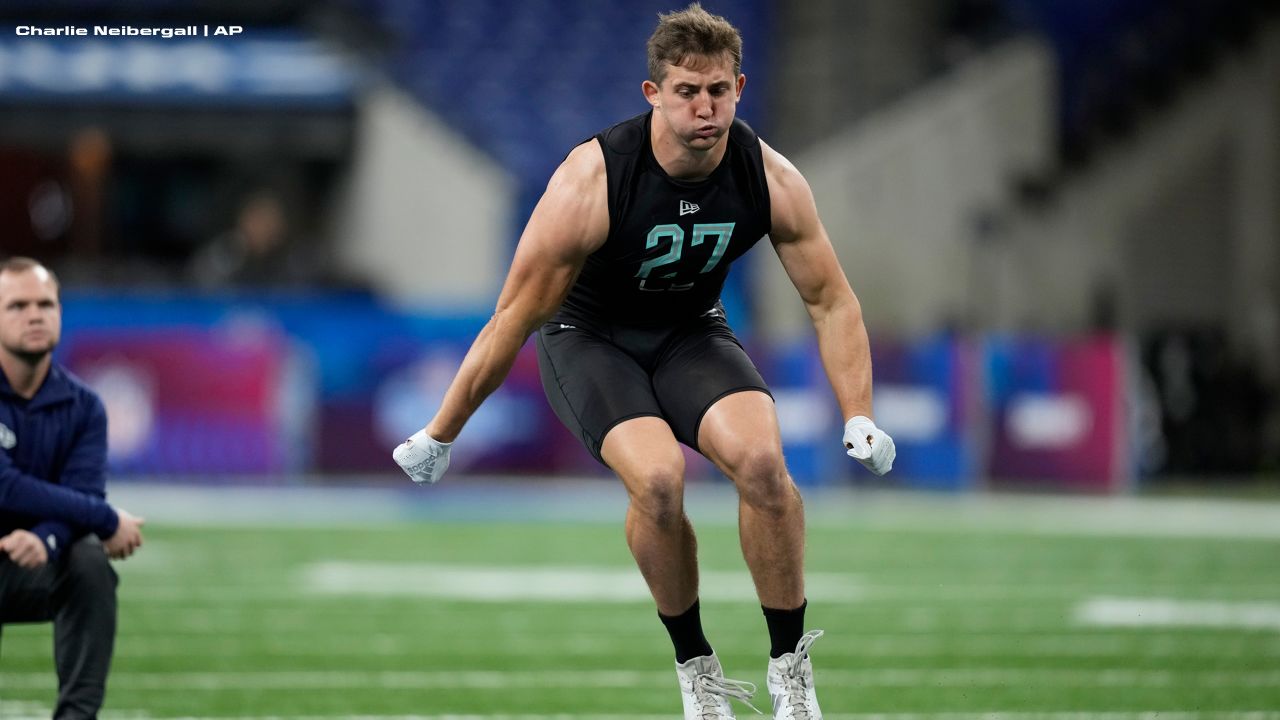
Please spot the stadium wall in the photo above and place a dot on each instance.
(1175, 224)
(903, 191)
(1179, 221)
(423, 210)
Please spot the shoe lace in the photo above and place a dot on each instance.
(706, 688)
(793, 677)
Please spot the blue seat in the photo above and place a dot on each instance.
(526, 81)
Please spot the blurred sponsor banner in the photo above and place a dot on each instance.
(197, 403)
(284, 383)
(1057, 413)
(926, 399)
(329, 383)
(514, 431)
(257, 68)
(808, 417)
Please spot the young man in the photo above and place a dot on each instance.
(621, 265)
(53, 452)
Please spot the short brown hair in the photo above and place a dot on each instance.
(692, 31)
(19, 264)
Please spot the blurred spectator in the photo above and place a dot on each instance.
(256, 253)
(56, 529)
(89, 158)
(1214, 404)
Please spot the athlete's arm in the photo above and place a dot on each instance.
(569, 223)
(809, 260)
(806, 253)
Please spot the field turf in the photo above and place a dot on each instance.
(940, 610)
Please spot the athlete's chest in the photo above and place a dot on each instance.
(671, 236)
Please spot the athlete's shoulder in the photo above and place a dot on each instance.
(779, 170)
(742, 134)
(791, 199)
(574, 209)
(626, 137)
(582, 166)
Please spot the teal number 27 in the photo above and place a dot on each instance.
(722, 231)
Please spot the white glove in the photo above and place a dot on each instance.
(869, 445)
(422, 457)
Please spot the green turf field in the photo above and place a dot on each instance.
(922, 621)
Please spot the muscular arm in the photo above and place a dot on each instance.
(809, 260)
(569, 223)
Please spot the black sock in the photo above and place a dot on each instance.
(786, 627)
(686, 634)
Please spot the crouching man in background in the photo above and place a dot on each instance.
(56, 529)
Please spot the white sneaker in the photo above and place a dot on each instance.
(705, 690)
(790, 681)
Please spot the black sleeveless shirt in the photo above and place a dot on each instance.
(670, 241)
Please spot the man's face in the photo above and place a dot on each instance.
(698, 99)
(30, 315)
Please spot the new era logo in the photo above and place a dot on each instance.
(688, 208)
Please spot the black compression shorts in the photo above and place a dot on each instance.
(598, 376)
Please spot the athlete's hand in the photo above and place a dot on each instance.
(127, 538)
(869, 445)
(423, 458)
(24, 549)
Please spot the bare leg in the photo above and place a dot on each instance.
(646, 456)
(739, 433)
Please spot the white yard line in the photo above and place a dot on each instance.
(1011, 715)
(322, 581)
(881, 677)
(1168, 612)
(487, 583)
(1147, 715)
(602, 500)
(35, 712)
(496, 583)
(21, 710)
(604, 645)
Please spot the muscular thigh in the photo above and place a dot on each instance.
(740, 432)
(701, 366)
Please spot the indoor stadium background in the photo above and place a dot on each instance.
(1062, 218)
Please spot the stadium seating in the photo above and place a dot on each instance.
(1117, 56)
(526, 81)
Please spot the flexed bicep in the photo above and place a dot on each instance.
(570, 222)
(810, 261)
(801, 241)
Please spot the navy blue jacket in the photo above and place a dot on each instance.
(53, 457)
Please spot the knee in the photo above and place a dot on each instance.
(87, 568)
(763, 483)
(658, 492)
